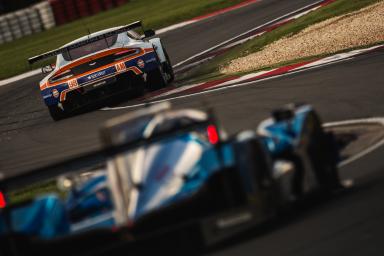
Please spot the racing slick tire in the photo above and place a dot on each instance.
(167, 67)
(56, 113)
(162, 76)
(254, 166)
(156, 79)
(322, 152)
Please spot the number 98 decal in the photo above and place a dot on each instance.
(73, 84)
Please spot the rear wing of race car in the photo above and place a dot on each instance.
(54, 53)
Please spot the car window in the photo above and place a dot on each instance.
(90, 48)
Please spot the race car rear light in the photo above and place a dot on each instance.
(213, 135)
(3, 203)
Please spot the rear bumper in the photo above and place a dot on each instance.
(102, 89)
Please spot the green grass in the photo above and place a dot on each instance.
(154, 14)
(210, 69)
(32, 191)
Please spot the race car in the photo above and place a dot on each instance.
(101, 64)
(171, 170)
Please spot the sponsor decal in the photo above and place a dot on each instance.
(140, 63)
(151, 60)
(96, 75)
(120, 67)
(55, 93)
(73, 84)
(136, 70)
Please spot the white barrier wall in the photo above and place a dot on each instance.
(26, 22)
(46, 14)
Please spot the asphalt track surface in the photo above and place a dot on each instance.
(29, 138)
(349, 224)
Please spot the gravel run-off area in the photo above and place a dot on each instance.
(356, 29)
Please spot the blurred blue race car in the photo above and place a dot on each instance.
(169, 170)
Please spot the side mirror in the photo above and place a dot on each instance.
(149, 33)
(48, 69)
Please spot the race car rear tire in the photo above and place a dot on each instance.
(56, 113)
(322, 152)
(254, 167)
(167, 67)
(156, 79)
(140, 91)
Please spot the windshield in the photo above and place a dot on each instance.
(90, 48)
